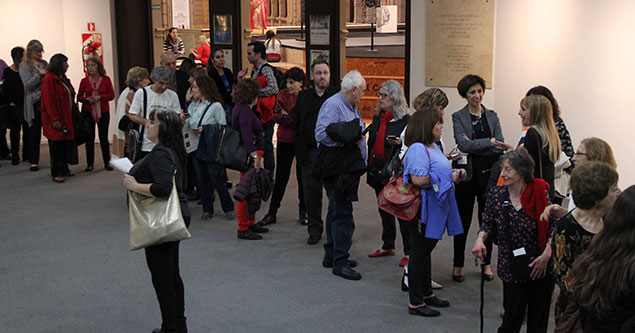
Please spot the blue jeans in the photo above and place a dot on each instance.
(270, 162)
(209, 178)
(339, 226)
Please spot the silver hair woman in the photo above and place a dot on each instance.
(389, 121)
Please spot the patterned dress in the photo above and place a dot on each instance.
(523, 231)
(569, 241)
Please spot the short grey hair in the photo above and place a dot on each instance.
(352, 79)
(395, 93)
(161, 73)
(166, 55)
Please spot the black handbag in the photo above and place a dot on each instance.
(231, 152)
(80, 126)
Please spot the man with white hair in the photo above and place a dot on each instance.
(153, 97)
(341, 161)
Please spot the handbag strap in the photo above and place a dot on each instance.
(539, 145)
(404, 156)
(145, 110)
(200, 121)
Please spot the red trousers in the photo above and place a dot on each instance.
(241, 207)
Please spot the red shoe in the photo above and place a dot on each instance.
(404, 261)
(381, 253)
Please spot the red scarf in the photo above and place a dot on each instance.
(534, 201)
(95, 107)
(378, 147)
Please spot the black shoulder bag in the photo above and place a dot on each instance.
(136, 136)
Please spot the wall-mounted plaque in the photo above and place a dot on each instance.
(319, 27)
(459, 40)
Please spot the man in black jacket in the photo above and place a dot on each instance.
(305, 115)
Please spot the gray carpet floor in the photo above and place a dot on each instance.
(65, 267)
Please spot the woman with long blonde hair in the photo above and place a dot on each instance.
(541, 139)
(32, 71)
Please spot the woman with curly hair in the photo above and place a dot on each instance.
(595, 190)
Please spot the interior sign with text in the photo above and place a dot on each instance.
(459, 40)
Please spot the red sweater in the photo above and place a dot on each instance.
(56, 106)
(105, 91)
(286, 102)
(203, 53)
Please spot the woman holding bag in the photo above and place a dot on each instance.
(207, 109)
(153, 176)
(244, 120)
(426, 167)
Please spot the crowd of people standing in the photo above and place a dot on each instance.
(319, 126)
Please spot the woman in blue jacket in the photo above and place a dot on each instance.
(426, 166)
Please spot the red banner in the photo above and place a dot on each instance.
(259, 14)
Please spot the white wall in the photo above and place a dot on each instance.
(580, 49)
(59, 25)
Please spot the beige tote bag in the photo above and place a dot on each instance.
(155, 220)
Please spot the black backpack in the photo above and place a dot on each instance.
(277, 73)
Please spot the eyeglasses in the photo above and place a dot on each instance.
(382, 95)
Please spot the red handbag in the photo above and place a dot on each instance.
(400, 199)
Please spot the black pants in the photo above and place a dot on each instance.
(269, 160)
(209, 177)
(312, 190)
(13, 123)
(163, 262)
(535, 296)
(389, 230)
(339, 226)
(59, 160)
(35, 135)
(25, 141)
(420, 263)
(102, 125)
(465, 194)
(284, 160)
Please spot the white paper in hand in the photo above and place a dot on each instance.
(122, 164)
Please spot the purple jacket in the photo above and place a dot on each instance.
(245, 121)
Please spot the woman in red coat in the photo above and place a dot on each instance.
(57, 120)
(95, 91)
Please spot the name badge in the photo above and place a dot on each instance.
(435, 187)
(519, 252)
(463, 160)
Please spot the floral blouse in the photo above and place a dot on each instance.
(565, 141)
(569, 241)
(523, 231)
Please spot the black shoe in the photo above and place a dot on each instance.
(258, 229)
(89, 168)
(423, 311)
(207, 216)
(34, 168)
(486, 277)
(347, 273)
(248, 234)
(329, 264)
(108, 167)
(268, 219)
(68, 173)
(436, 302)
(458, 278)
(303, 219)
(313, 240)
(15, 162)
